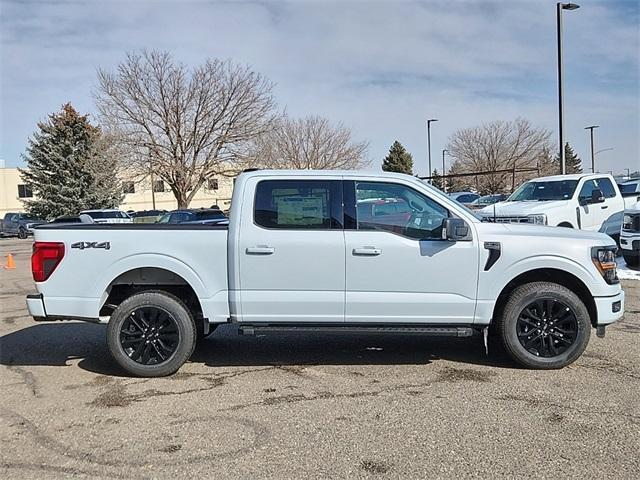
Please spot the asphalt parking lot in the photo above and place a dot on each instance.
(314, 406)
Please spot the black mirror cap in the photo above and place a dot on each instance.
(596, 196)
(455, 229)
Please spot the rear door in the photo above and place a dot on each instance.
(399, 270)
(291, 251)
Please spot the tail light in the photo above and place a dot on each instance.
(45, 258)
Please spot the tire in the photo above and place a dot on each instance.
(537, 340)
(151, 334)
(631, 260)
(22, 233)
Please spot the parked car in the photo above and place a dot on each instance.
(147, 216)
(465, 198)
(205, 216)
(582, 201)
(630, 235)
(19, 223)
(630, 188)
(297, 256)
(108, 216)
(487, 200)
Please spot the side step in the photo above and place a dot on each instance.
(429, 331)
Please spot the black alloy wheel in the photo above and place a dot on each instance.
(149, 335)
(547, 327)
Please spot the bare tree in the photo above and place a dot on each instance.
(308, 143)
(185, 126)
(497, 146)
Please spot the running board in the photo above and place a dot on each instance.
(429, 331)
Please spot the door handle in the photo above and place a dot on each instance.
(260, 250)
(370, 251)
(604, 206)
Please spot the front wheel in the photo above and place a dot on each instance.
(22, 233)
(544, 326)
(151, 334)
(631, 260)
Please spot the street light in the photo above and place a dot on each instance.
(559, 7)
(444, 172)
(429, 142)
(593, 155)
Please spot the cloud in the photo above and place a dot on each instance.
(381, 68)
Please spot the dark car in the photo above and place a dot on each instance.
(204, 216)
(487, 200)
(20, 224)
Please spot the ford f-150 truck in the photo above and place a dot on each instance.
(18, 223)
(305, 251)
(583, 201)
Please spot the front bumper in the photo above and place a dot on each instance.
(35, 305)
(609, 309)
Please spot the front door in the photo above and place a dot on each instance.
(399, 270)
(291, 252)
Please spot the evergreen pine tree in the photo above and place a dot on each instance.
(69, 168)
(573, 164)
(398, 160)
(436, 180)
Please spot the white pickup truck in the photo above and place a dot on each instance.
(329, 251)
(582, 201)
(630, 236)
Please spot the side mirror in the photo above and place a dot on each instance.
(454, 229)
(596, 196)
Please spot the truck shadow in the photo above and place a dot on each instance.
(57, 344)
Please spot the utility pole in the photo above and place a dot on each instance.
(444, 172)
(429, 143)
(559, 7)
(593, 155)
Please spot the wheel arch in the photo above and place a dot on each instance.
(566, 224)
(552, 275)
(144, 278)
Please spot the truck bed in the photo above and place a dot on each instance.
(169, 254)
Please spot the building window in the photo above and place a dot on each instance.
(24, 191)
(128, 187)
(158, 186)
(212, 184)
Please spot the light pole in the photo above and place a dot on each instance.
(444, 172)
(559, 7)
(593, 155)
(429, 143)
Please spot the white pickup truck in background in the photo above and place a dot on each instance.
(630, 236)
(582, 201)
(329, 251)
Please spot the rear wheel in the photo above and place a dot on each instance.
(544, 325)
(631, 260)
(151, 334)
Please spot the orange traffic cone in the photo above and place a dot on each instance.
(11, 264)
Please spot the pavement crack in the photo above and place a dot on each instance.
(28, 379)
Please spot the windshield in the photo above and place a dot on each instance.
(114, 214)
(26, 216)
(552, 190)
(628, 187)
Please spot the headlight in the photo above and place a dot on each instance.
(604, 258)
(627, 220)
(540, 219)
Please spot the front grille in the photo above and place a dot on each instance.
(634, 226)
(503, 219)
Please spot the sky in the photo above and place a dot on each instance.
(380, 68)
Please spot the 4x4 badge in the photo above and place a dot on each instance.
(83, 245)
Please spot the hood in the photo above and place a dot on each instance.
(541, 231)
(523, 208)
(633, 209)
